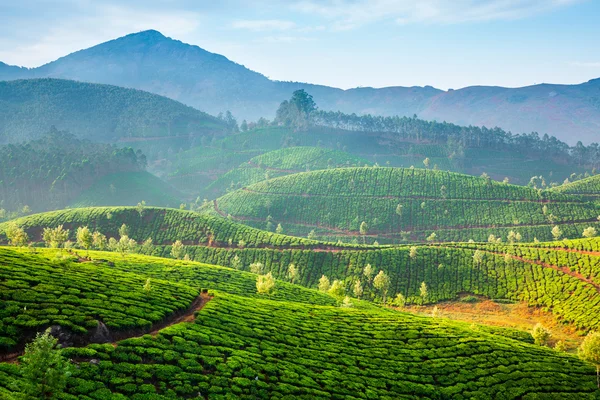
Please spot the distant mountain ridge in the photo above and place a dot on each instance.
(150, 61)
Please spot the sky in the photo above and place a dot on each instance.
(340, 43)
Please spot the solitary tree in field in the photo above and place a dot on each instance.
(426, 162)
(540, 334)
(589, 232)
(364, 228)
(337, 289)
(147, 286)
(590, 351)
(16, 235)
(368, 272)
(279, 229)
(265, 284)
(84, 237)
(147, 247)
(124, 231)
(347, 302)
(478, 257)
(357, 289)
(99, 241)
(399, 300)
(44, 369)
(382, 282)
(292, 272)
(431, 238)
(560, 346)
(412, 253)
(257, 268)
(324, 284)
(423, 291)
(141, 208)
(556, 232)
(236, 262)
(312, 235)
(56, 237)
(177, 250)
(399, 210)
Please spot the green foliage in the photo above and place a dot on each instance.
(540, 334)
(44, 369)
(265, 284)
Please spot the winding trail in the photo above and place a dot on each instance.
(178, 317)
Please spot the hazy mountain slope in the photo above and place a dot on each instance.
(150, 61)
(28, 108)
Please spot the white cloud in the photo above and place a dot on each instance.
(593, 64)
(349, 14)
(264, 25)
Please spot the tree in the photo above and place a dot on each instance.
(589, 232)
(236, 262)
(424, 292)
(399, 210)
(337, 289)
(265, 284)
(257, 268)
(140, 208)
(292, 272)
(412, 253)
(312, 235)
(540, 334)
(556, 232)
(382, 282)
(513, 237)
(431, 238)
(16, 235)
(99, 241)
(590, 351)
(279, 229)
(357, 289)
(56, 237)
(324, 284)
(560, 346)
(346, 303)
(148, 247)
(399, 300)
(364, 228)
(147, 286)
(84, 237)
(44, 369)
(426, 162)
(478, 257)
(124, 245)
(368, 272)
(124, 231)
(177, 250)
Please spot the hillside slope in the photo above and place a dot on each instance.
(299, 345)
(150, 61)
(29, 108)
(400, 203)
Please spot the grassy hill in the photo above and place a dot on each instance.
(296, 344)
(283, 162)
(405, 204)
(128, 189)
(29, 108)
(587, 187)
(495, 271)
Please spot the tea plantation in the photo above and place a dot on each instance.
(405, 204)
(299, 345)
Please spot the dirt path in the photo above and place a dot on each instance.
(187, 316)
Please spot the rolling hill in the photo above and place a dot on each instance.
(557, 276)
(152, 62)
(102, 113)
(296, 344)
(405, 204)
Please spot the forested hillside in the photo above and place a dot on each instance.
(49, 172)
(393, 204)
(103, 113)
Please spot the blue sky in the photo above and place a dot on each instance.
(342, 43)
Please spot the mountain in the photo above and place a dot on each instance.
(211, 82)
(29, 108)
